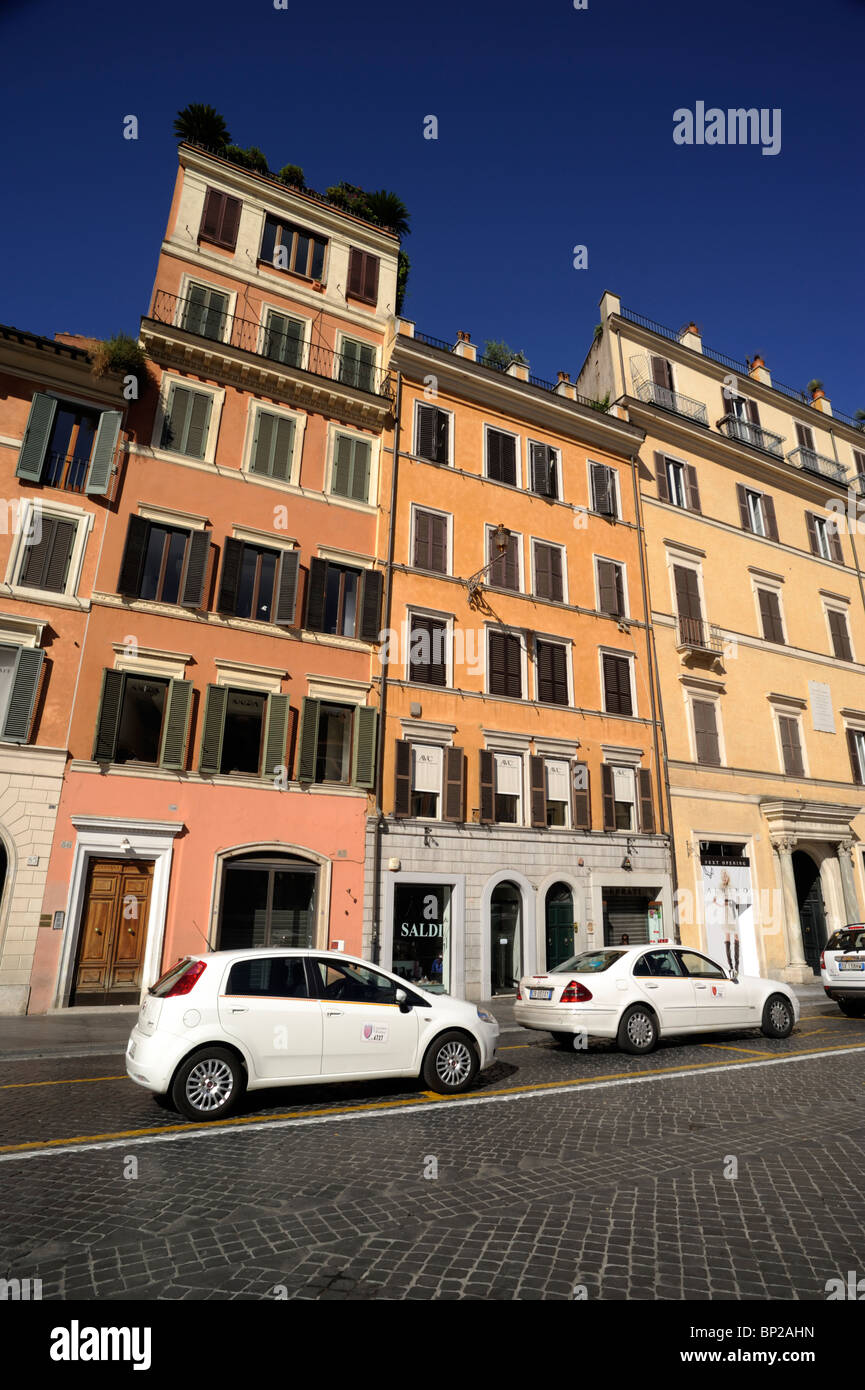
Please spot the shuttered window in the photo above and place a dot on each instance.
(504, 565)
(257, 582)
(432, 434)
(791, 746)
(430, 541)
(220, 220)
(552, 669)
(549, 579)
(164, 563)
(611, 588)
(68, 446)
(187, 418)
(823, 537)
(46, 559)
(243, 732)
(840, 634)
(505, 665)
(363, 271)
(205, 312)
(501, 457)
(617, 684)
(20, 675)
(272, 446)
(142, 719)
(357, 364)
(770, 615)
(856, 749)
(286, 246)
(429, 782)
(543, 470)
(283, 339)
(337, 743)
(351, 468)
(604, 491)
(344, 600)
(582, 797)
(706, 732)
(757, 512)
(662, 373)
(427, 663)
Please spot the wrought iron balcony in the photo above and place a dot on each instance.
(745, 432)
(813, 462)
(696, 635)
(673, 401)
(275, 345)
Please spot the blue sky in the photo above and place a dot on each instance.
(555, 129)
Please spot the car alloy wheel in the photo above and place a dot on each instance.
(777, 1017)
(640, 1029)
(779, 1014)
(209, 1084)
(453, 1063)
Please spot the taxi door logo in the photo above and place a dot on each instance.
(374, 1032)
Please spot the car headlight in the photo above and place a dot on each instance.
(485, 1016)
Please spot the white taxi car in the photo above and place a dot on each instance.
(219, 1024)
(637, 993)
(842, 969)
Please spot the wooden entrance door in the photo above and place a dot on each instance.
(113, 932)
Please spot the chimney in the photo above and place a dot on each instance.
(518, 369)
(820, 401)
(405, 327)
(609, 304)
(758, 371)
(565, 387)
(464, 347)
(690, 337)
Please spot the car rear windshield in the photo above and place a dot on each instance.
(588, 963)
(847, 939)
(170, 978)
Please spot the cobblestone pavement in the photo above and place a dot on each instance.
(728, 1183)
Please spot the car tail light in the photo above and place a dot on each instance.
(519, 996)
(822, 960)
(575, 993)
(187, 979)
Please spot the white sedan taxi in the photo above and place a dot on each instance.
(636, 994)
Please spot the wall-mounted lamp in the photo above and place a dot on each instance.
(125, 845)
(626, 863)
(500, 537)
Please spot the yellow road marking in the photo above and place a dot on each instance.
(72, 1081)
(38, 1145)
(728, 1047)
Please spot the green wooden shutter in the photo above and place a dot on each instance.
(363, 757)
(361, 452)
(174, 424)
(197, 422)
(349, 365)
(342, 466)
(286, 594)
(455, 785)
(230, 579)
(316, 594)
(402, 778)
(212, 728)
(102, 458)
(262, 442)
(307, 743)
(372, 585)
(132, 564)
(34, 445)
(178, 706)
(60, 553)
(198, 555)
(275, 731)
(25, 684)
(272, 446)
(108, 717)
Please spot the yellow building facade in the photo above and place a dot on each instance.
(748, 493)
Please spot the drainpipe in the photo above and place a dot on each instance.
(388, 599)
(664, 795)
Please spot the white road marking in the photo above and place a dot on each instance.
(342, 1117)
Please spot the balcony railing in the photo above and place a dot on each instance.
(696, 635)
(275, 345)
(813, 462)
(672, 400)
(745, 432)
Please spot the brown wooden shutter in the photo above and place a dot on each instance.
(501, 457)
(610, 592)
(426, 431)
(840, 635)
(617, 685)
(454, 784)
(537, 792)
(834, 542)
(316, 594)
(769, 517)
(706, 733)
(370, 278)
(552, 663)
(692, 490)
(805, 437)
(608, 797)
(661, 477)
(498, 679)
(221, 219)
(132, 564)
(791, 748)
(402, 778)
(855, 766)
(744, 514)
(422, 540)
(687, 594)
(647, 808)
(229, 583)
(487, 787)
(583, 802)
(812, 533)
(511, 564)
(438, 544)
(543, 575)
(662, 373)
(770, 614)
(355, 271)
(557, 590)
(753, 412)
(372, 589)
(212, 216)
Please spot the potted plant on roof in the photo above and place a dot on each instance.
(816, 388)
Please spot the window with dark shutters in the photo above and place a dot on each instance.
(661, 478)
(840, 634)
(363, 275)
(689, 608)
(552, 664)
(611, 589)
(791, 747)
(834, 539)
(428, 651)
(770, 615)
(706, 732)
(542, 470)
(205, 312)
(662, 373)
(505, 664)
(504, 571)
(603, 490)
(402, 778)
(617, 684)
(549, 581)
(856, 749)
(26, 678)
(433, 430)
(501, 457)
(692, 490)
(351, 468)
(805, 437)
(430, 541)
(272, 446)
(371, 592)
(220, 219)
(46, 561)
(187, 418)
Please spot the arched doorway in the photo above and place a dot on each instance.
(506, 931)
(812, 913)
(559, 922)
(267, 900)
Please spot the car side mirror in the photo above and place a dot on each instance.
(403, 1001)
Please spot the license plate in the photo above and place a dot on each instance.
(540, 994)
(852, 964)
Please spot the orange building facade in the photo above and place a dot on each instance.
(222, 741)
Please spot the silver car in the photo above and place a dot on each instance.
(842, 969)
